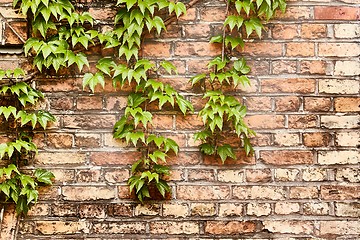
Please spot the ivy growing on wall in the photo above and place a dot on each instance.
(60, 35)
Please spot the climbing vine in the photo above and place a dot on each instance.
(60, 35)
(223, 114)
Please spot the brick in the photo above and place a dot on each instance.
(339, 49)
(121, 209)
(348, 175)
(295, 13)
(177, 210)
(258, 175)
(287, 104)
(115, 103)
(61, 103)
(73, 193)
(317, 104)
(287, 139)
(230, 209)
(259, 192)
(103, 14)
(147, 210)
(90, 175)
(346, 30)
(197, 30)
(263, 49)
(313, 31)
(114, 158)
(339, 86)
(39, 210)
(110, 141)
(339, 157)
(317, 139)
(89, 103)
(316, 208)
(291, 227)
(89, 121)
(234, 176)
(87, 140)
(183, 49)
(213, 14)
(344, 104)
(60, 158)
(300, 49)
(120, 227)
(290, 85)
(163, 122)
(169, 227)
(230, 228)
(62, 227)
(313, 67)
(116, 175)
(284, 31)
(342, 228)
(336, 13)
(189, 122)
(203, 192)
(258, 103)
(336, 192)
(303, 121)
(258, 209)
(285, 208)
(201, 175)
(286, 157)
(20, 28)
(265, 121)
(314, 174)
(64, 210)
(285, 175)
(347, 68)
(60, 140)
(92, 211)
(303, 192)
(185, 158)
(156, 49)
(284, 67)
(347, 209)
(203, 209)
(333, 122)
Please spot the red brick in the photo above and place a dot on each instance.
(295, 13)
(213, 14)
(316, 139)
(156, 49)
(60, 140)
(258, 103)
(317, 104)
(313, 31)
(183, 49)
(258, 175)
(334, 192)
(303, 122)
(263, 49)
(114, 158)
(20, 28)
(265, 121)
(284, 31)
(283, 67)
(287, 157)
(197, 30)
(290, 85)
(313, 67)
(89, 103)
(336, 13)
(300, 49)
(232, 227)
(287, 104)
(344, 104)
(89, 121)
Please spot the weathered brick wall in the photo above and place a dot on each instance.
(302, 182)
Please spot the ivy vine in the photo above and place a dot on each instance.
(60, 34)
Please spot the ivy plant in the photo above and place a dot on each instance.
(223, 113)
(15, 185)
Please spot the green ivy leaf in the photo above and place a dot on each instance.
(225, 151)
(169, 67)
(93, 80)
(44, 176)
(207, 148)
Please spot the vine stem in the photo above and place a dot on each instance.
(224, 33)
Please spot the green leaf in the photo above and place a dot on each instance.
(170, 144)
(194, 80)
(184, 105)
(27, 180)
(207, 148)
(93, 80)
(163, 187)
(158, 155)
(216, 39)
(247, 146)
(169, 67)
(44, 176)
(203, 135)
(234, 42)
(180, 8)
(225, 151)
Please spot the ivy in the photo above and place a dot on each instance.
(222, 111)
(16, 186)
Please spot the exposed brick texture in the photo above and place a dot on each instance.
(303, 181)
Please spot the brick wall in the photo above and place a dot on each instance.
(302, 182)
